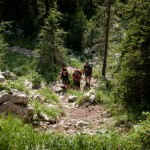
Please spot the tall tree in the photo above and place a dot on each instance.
(77, 27)
(106, 42)
(52, 51)
(134, 77)
(3, 45)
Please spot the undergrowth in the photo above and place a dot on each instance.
(16, 135)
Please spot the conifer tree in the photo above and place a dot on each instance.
(2, 41)
(51, 47)
(134, 78)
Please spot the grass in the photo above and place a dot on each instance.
(49, 95)
(28, 43)
(52, 113)
(75, 63)
(17, 63)
(79, 95)
(16, 135)
(16, 84)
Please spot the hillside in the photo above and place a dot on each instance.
(75, 75)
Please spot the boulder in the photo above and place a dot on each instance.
(72, 98)
(2, 78)
(58, 89)
(21, 112)
(92, 98)
(19, 98)
(8, 74)
(4, 97)
(89, 96)
(86, 96)
(43, 116)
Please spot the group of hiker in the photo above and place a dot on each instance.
(76, 76)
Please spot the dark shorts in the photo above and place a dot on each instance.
(77, 83)
(88, 74)
(65, 81)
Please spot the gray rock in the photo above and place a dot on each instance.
(2, 78)
(92, 98)
(17, 110)
(72, 98)
(86, 96)
(8, 74)
(19, 98)
(43, 116)
(82, 123)
(4, 97)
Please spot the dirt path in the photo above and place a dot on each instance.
(86, 118)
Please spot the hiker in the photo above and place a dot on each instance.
(77, 75)
(87, 71)
(64, 75)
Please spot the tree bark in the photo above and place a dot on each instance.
(106, 42)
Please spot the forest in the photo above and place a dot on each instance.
(38, 38)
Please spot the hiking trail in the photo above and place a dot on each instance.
(87, 118)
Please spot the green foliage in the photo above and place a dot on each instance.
(24, 42)
(143, 132)
(77, 27)
(49, 95)
(79, 95)
(95, 27)
(36, 80)
(74, 62)
(2, 41)
(2, 86)
(53, 113)
(51, 48)
(133, 79)
(17, 84)
(19, 64)
(16, 135)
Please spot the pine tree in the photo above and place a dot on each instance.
(134, 77)
(51, 47)
(2, 41)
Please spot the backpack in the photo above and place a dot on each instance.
(90, 67)
(80, 72)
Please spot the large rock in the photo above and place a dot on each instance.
(92, 98)
(22, 112)
(43, 116)
(8, 74)
(72, 98)
(89, 96)
(4, 97)
(19, 98)
(86, 96)
(2, 78)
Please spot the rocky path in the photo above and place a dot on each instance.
(87, 118)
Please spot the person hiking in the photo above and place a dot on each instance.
(87, 71)
(77, 75)
(64, 75)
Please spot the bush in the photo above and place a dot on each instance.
(17, 84)
(143, 132)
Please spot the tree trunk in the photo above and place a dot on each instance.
(106, 42)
